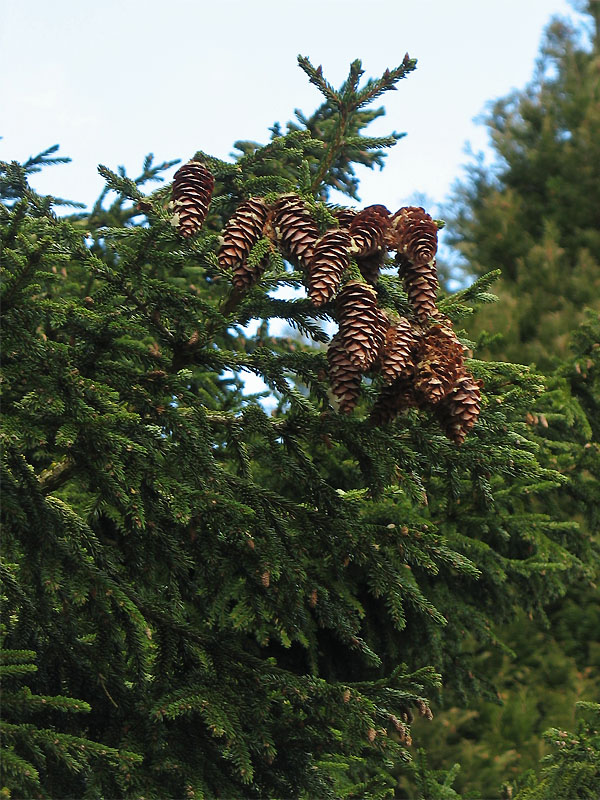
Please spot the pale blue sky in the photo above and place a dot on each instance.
(111, 80)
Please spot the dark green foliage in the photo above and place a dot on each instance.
(48, 761)
(250, 604)
(338, 122)
(572, 768)
(433, 785)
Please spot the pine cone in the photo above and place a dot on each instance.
(362, 323)
(416, 234)
(344, 376)
(368, 230)
(295, 228)
(344, 216)
(329, 261)
(193, 185)
(459, 411)
(392, 400)
(242, 231)
(397, 357)
(420, 284)
(439, 363)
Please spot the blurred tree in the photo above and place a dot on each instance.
(571, 770)
(535, 212)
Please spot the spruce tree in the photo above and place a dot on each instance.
(253, 596)
(533, 212)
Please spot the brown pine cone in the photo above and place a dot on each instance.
(362, 323)
(241, 233)
(415, 234)
(368, 230)
(393, 399)
(329, 261)
(344, 216)
(420, 284)
(459, 411)
(397, 356)
(344, 376)
(439, 363)
(295, 229)
(192, 189)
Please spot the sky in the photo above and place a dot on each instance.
(112, 80)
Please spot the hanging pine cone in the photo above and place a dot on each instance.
(368, 230)
(329, 261)
(193, 185)
(393, 399)
(344, 376)
(295, 228)
(459, 411)
(362, 323)
(420, 284)
(439, 363)
(344, 216)
(397, 356)
(242, 231)
(415, 234)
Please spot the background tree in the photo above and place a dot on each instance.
(534, 213)
(572, 767)
(244, 603)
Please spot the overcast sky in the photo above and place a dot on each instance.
(111, 80)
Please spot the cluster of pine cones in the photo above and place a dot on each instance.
(419, 358)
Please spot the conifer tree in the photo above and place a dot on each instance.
(533, 213)
(250, 603)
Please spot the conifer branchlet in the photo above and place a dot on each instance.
(194, 543)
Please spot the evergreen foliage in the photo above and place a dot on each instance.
(31, 754)
(572, 768)
(534, 212)
(248, 604)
